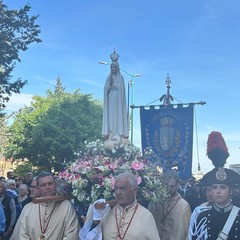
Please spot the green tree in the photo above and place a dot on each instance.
(23, 167)
(18, 30)
(53, 129)
(4, 134)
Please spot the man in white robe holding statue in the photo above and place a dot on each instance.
(127, 220)
(51, 220)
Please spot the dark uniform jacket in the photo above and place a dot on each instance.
(211, 222)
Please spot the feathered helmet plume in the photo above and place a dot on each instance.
(217, 150)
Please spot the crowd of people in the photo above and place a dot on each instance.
(15, 193)
(205, 209)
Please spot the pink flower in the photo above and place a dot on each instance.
(139, 180)
(113, 182)
(86, 164)
(111, 167)
(118, 162)
(106, 163)
(137, 165)
(100, 168)
(77, 176)
(77, 168)
(65, 174)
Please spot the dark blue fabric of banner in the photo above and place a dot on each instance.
(169, 133)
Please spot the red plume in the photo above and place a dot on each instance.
(217, 150)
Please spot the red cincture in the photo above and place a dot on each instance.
(119, 235)
(46, 221)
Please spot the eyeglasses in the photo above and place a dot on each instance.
(17, 179)
(33, 187)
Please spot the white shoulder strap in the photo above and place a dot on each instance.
(223, 235)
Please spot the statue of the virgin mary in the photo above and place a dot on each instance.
(115, 115)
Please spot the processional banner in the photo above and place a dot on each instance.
(168, 132)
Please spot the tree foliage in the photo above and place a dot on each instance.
(53, 129)
(18, 30)
(4, 134)
(23, 167)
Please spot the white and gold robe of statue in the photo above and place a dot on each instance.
(115, 123)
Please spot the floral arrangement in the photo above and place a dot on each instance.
(93, 174)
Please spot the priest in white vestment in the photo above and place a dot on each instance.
(51, 220)
(127, 220)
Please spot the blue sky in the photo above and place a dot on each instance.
(195, 41)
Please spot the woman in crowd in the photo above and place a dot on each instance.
(11, 187)
(22, 199)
